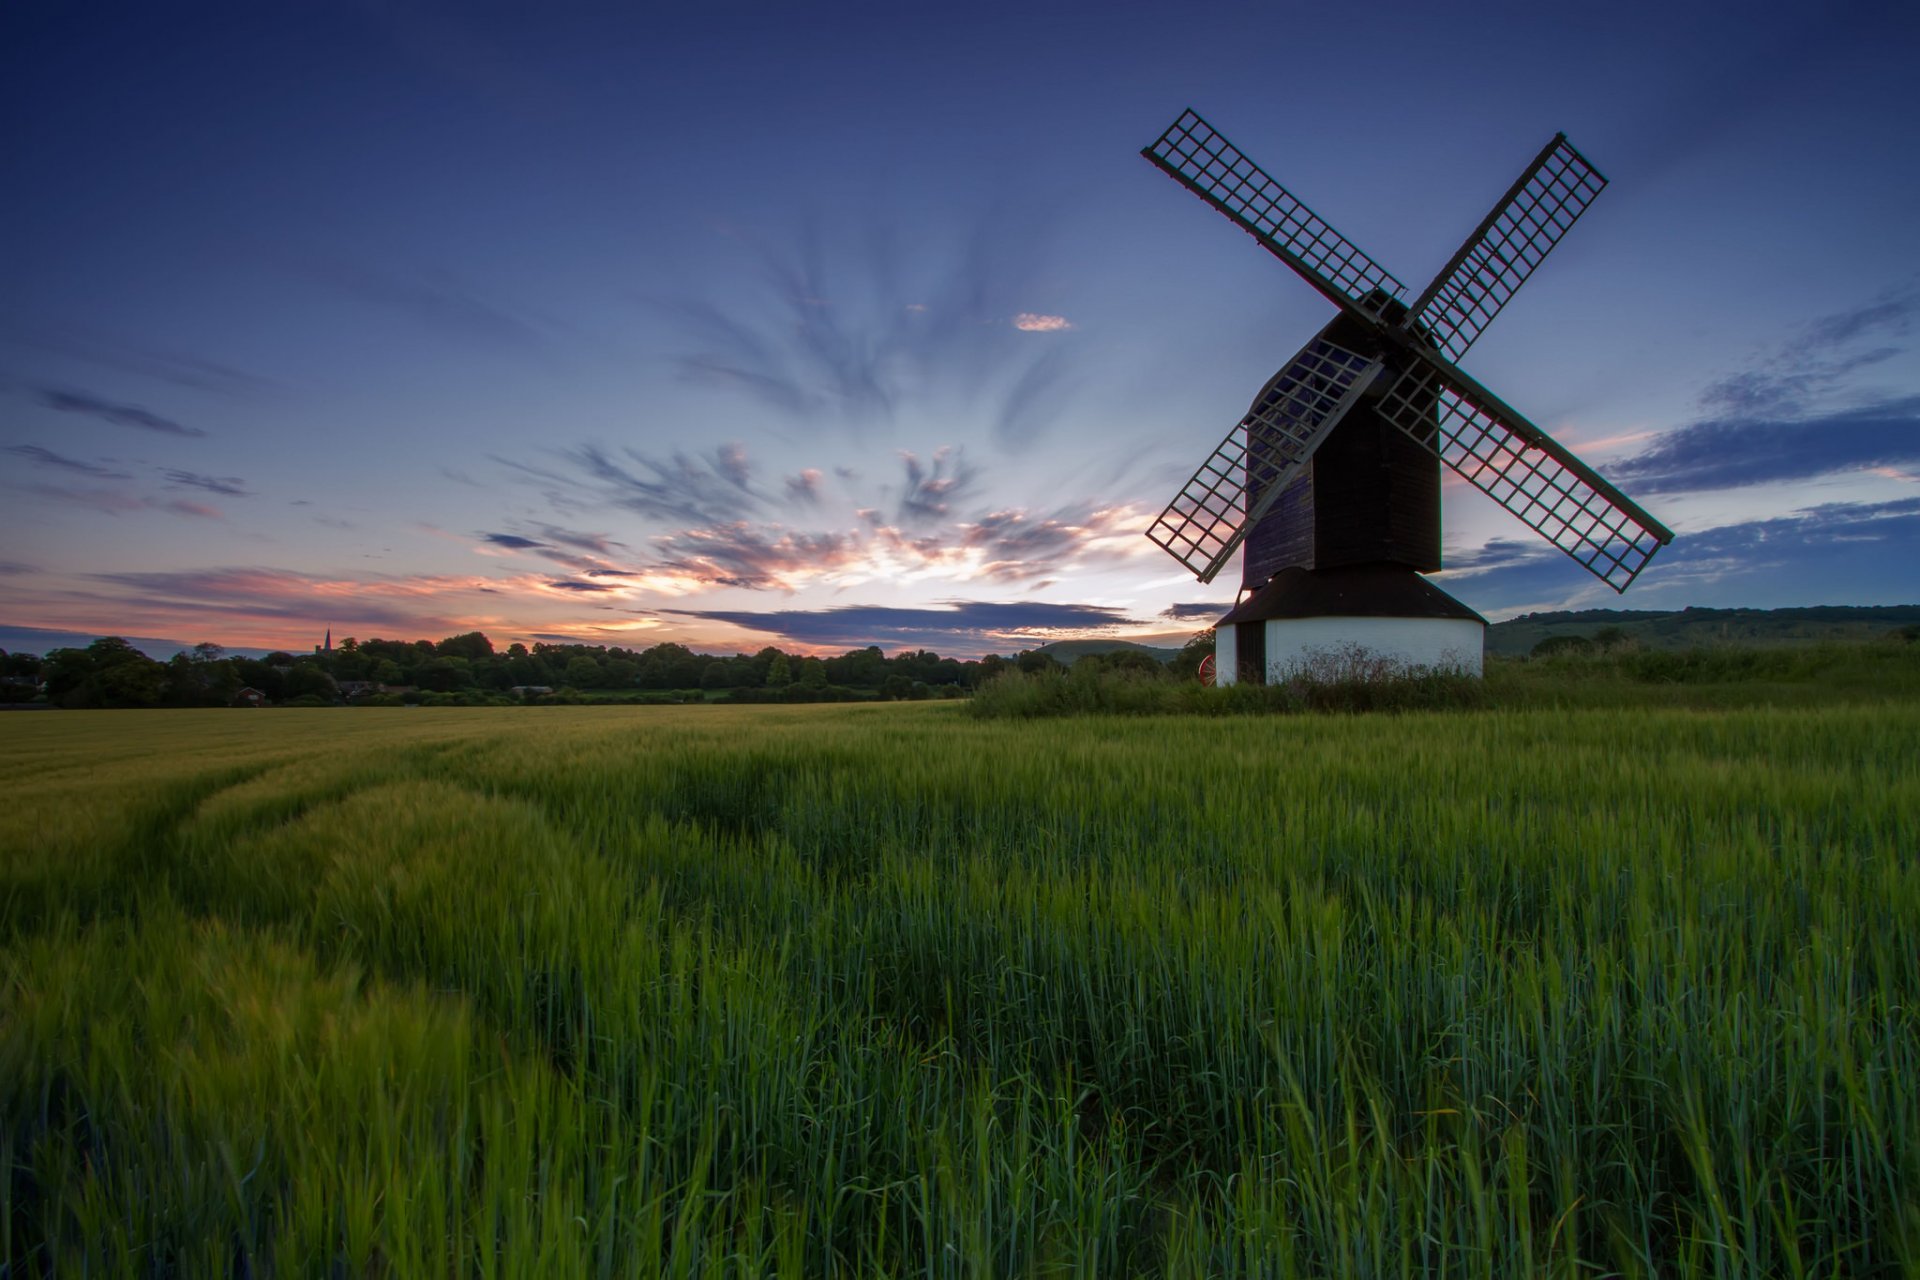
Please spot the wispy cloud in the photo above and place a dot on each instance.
(932, 488)
(437, 301)
(1855, 553)
(1795, 378)
(855, 328)
(198, 510)
(48, 458)
(228, 486)
(194, 373)
(804, 488)
(124, 415)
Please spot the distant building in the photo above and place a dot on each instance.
(249, 697)
(321, 650)
(530, 690)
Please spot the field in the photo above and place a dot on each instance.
(893, 990)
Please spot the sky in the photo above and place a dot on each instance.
(832, 325)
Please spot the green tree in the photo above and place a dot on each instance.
(583, 673)
(471, 645)
(1186, 663)
(779, 672)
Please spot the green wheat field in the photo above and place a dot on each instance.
(899, 990)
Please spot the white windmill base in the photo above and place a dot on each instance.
(1338, 624)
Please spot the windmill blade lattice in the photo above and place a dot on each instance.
(1524, 470)
(1206, 522)
(1505, 248)
(1192, 152)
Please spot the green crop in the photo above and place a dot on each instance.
(895, 990)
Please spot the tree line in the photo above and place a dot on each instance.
(467, 670)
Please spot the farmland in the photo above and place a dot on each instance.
(1602, 987)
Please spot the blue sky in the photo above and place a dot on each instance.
(740, 324)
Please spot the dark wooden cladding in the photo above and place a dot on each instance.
(1370, 495)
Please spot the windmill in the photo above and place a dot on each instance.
(1331, 482)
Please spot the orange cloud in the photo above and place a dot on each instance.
(1034, 322)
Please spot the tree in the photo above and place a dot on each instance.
(1036, 663)
(1552, 645)
(1186, 663)
(471, 645)
(583, 673)
(779, 672)
(107, 673)
(813, 673)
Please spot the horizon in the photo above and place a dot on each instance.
(161, 649)
(426, 320)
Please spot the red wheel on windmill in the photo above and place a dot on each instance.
(1206, 671)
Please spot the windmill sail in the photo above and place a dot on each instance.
(1193, 153)
(1506, 247)
(1526, 471)
(1241, 480)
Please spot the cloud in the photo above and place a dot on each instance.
(805, 487)
(436, 301)
(110, 502)
(198, 510)
(1791, 380)
(1034, 322)
(973, 626)
(511, 540)
(600, 543)
(230, 486)
(118, 414)
(730, 464)
(1197, 611)
(931, 490)
(864, 322)
(265, 595)
(1729, 452)
(48, 458)
(1851, 553)
(755, 557)
(173, 368)
(564, 585)
(1002, 546)
(679, 488)
(1036, 399)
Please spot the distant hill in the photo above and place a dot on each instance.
(1705, 628)
(1067, 652)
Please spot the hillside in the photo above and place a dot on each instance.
(1704, 628)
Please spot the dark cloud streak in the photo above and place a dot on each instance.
(123, 415)
(48, 458)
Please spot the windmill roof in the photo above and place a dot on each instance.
(1365, 591)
